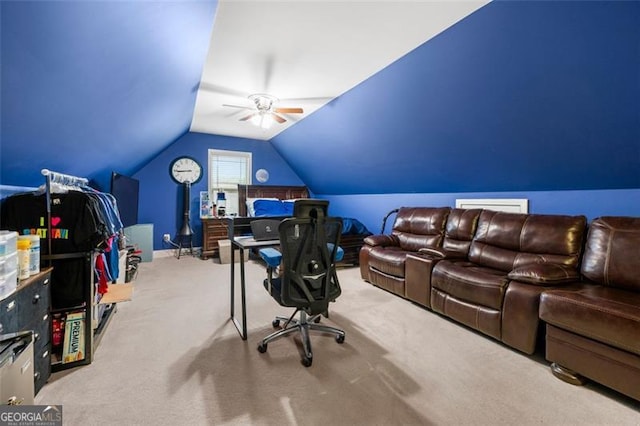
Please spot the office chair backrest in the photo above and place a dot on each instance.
(309, 279)
(310, 207)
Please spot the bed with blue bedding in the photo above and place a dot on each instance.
(277, 201)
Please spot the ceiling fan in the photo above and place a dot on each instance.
(266, 112)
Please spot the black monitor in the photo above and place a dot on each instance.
(310, 207)
(125, 189)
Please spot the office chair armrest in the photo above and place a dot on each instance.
(339, 252)
(271, 256)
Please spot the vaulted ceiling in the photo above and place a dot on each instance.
(305, 53)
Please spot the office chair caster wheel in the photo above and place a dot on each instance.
(340, 338)
(275, 323)
(262, 348)
(307, 361)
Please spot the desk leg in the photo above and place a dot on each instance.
(233, 281)
(243, 298)
(242, 329)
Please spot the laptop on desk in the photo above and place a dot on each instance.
(265, 229)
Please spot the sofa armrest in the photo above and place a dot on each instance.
(381, 240)
(544, 274)
(441, 253)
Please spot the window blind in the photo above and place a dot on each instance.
(228, 171)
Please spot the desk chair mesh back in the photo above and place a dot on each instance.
(307, 280)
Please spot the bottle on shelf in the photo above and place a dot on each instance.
(34, 258)
(24, 255)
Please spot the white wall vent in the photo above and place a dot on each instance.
(510, 205)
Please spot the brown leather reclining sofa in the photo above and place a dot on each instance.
(486, 270)
(506, 274)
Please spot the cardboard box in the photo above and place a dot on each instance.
(73, 349)
(225, 252)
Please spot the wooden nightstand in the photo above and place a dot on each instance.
(213, 230)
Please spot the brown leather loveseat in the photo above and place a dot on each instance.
(594, 332)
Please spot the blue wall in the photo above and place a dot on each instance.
(371, 209)
(519, 96)
(161, 197)
(89, 87)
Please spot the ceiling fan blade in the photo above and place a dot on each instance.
(278, 118)
(247, 117)
(289, 110)
(236, 106)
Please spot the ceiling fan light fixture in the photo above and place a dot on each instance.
(262, 119)
(266, 113)
(263, 102)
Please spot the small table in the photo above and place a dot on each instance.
(242, 243)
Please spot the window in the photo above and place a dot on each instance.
(227, 169)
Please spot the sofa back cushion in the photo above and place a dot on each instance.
(419, 227)
(612, 253)
(506, 241)
(460, 229)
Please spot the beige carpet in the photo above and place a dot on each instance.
(171, 357)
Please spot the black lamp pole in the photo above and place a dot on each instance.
(186, 232)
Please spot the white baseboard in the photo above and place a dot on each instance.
(157, 254)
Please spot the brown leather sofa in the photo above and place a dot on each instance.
(512, 259)
(594, 332)
(382, 257)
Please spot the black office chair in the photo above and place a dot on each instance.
(307, 280)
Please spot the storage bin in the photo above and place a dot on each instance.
(225, 252)
(8, 284)
(8, 263)
(8, 242)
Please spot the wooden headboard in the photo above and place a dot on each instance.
(268, 191)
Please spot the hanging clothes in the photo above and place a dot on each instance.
(82, 220)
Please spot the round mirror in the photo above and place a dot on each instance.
(262, 175)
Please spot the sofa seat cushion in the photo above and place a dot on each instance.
(471, 283)
(389, 260)
(604, 314)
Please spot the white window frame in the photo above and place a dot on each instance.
(230, 189)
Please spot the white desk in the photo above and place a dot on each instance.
(242, 243)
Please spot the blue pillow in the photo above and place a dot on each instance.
(270, 208)
(287, 206)
(351, 226)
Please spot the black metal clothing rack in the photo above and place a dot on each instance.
(87, 306)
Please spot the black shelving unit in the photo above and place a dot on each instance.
(90, 305)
